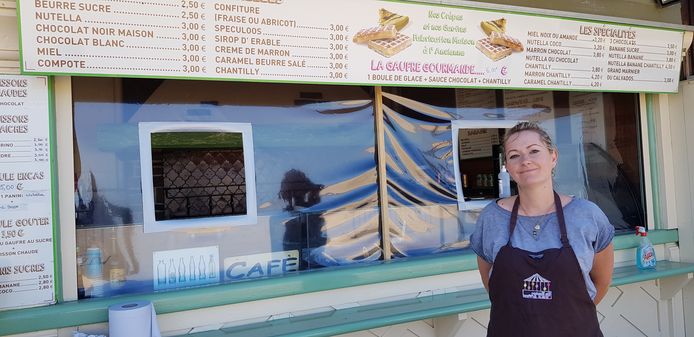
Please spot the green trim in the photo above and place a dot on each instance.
(656, 236)
(338, 322)
(19, 29)
(629, 274)
(58, 266)
(653, 161)
(365, 317)
(246, 80)
(95, 311)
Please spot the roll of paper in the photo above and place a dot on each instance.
(133, 319)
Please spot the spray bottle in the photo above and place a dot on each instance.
(645, 254)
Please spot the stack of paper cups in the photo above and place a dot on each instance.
(134, 319)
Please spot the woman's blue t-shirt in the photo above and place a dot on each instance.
(587, 227)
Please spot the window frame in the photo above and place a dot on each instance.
(151, 224)
(456, 125)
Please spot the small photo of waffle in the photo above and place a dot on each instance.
(494, 51)
(385, 38)
(498, 44)
(390, 47)
(375, 33)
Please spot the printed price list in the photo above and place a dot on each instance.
(187, 38)
(312, 41)
(594, 62)
(14, 151)
(26, 229)
(38, 282)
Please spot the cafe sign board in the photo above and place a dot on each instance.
(27, 253)
(365, 42)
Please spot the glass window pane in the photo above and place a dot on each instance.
(597, 135)
(315, 169)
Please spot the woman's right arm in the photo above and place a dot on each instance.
(484, 268)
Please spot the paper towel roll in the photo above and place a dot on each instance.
(134, 319)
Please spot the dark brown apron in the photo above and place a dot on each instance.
(540, 294)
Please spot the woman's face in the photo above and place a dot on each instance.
(528, 160)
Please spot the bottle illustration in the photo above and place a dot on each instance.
(504, 183)
(212, 268)
(191, 268)
(181, 270)
(202, 273)
(645, 253)
(172, 272)
(161, 272)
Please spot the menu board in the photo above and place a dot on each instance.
(26, 224)
(477, 143)
(344, 42)
(589, 105)
(475, 99)
(531, 105)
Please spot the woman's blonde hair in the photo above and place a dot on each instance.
(530, 126)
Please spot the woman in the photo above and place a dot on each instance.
(545, 259)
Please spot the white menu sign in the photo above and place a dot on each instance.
(477, 143)
(26, 221)
(531, 105)
(590, 106)
(344, 42)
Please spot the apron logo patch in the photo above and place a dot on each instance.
(537, 287)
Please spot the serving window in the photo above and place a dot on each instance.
(196, 175)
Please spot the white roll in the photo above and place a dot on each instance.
(133, 319)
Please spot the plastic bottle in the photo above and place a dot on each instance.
(116, 266)
(93, 272)
(504, 183)
(645, 254)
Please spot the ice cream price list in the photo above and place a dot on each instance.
(344, 42)
(26, 226)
